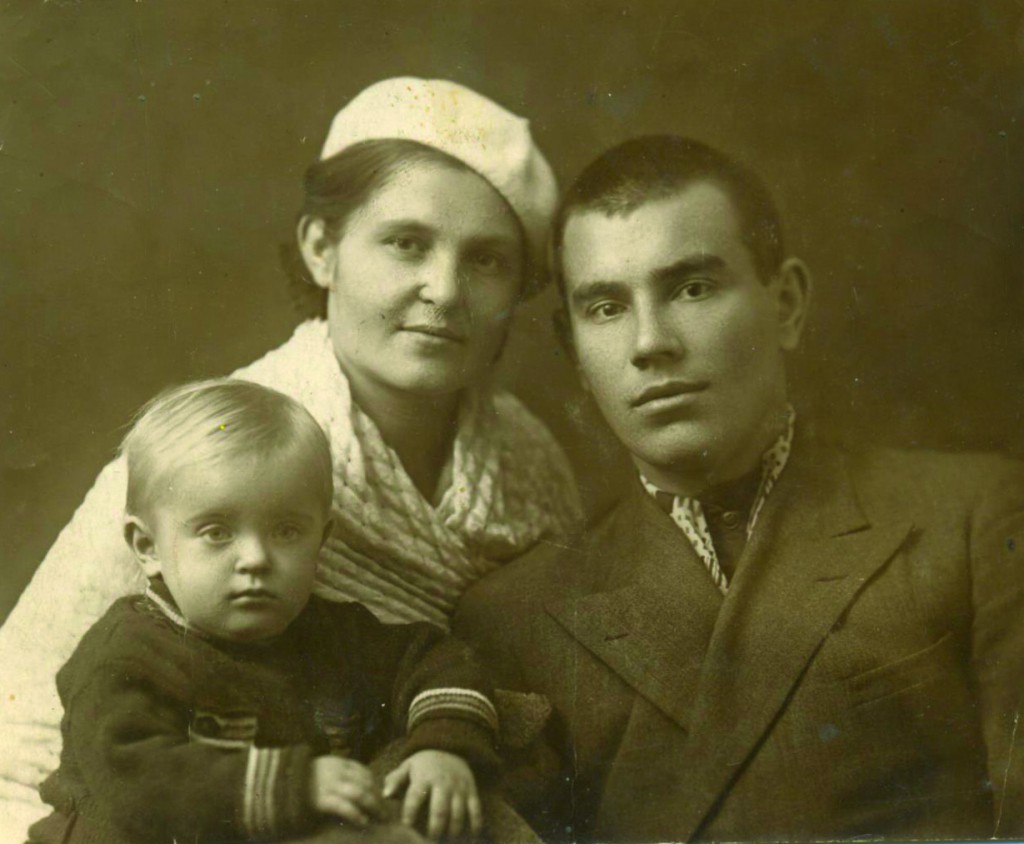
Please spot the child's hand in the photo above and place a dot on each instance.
(449, 783)
(344, 788)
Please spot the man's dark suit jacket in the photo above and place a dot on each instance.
(863, 676)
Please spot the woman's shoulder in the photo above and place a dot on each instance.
(279, 368)
(531, 457)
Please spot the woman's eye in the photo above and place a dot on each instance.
(604, 311)
(695, 290)
(489, 261)
(405, 245)
(215, 533)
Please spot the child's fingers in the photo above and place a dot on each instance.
(355, 794)
(440, 810)
(415, 794)
(457, 819)
(476, 813)
(344, 808)
(394, 781)
(357, 772)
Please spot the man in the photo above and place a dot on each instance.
(767, 637)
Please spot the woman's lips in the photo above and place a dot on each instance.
(438, 332)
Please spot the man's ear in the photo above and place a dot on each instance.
(140, 540)
(317, 250)
(793, 288)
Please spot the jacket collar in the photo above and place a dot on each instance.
(647, 607)
(722, 667)
(813, 552)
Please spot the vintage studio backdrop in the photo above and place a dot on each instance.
(151, 154)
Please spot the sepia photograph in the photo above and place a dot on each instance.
(552, 421)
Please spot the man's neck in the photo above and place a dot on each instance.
(704, 472)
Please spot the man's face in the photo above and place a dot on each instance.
(677, 337)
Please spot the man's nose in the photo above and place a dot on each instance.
(441, 280)
(253, 555)
(656, 336)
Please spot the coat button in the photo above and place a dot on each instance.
(730, 518)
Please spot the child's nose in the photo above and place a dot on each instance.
(252, 554)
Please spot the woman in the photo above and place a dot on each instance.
(425, 222)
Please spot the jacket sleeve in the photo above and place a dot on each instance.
(997, 578)
(440, 695)
(88, 567)
(538, 772)
(132, 747)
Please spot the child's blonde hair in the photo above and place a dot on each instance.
(208, 421)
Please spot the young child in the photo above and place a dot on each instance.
(226, 703)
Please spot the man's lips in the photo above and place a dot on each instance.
(667, 390)
(441, 332)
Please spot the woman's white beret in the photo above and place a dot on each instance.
(467, 126)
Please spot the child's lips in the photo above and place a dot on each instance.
(253, 595)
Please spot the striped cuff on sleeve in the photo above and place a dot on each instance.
(464, 704)
(274, 798)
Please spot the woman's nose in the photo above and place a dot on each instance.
(656, 336)
(441, 281)
(252, 554)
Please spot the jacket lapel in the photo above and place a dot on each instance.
(811, 553)
(651, 614)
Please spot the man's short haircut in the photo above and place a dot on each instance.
(207, 422)
(655, 167)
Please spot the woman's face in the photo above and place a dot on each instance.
(421, 283)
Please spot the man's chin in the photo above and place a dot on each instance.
(676, 461)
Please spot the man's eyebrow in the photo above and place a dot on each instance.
(591, 290)
(688, 266)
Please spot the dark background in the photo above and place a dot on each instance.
(151, 155)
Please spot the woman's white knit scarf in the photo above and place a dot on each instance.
(391, 549)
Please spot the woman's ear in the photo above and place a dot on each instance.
(140, 540)
(793, 288)
(317, 250)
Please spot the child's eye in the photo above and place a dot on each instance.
(215, 533)
(288, 532)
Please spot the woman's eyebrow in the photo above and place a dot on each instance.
(495, 241)
(405, 224)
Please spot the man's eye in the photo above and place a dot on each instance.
(215, 533)
(604, 311)
(695, 290)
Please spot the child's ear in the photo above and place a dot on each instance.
(140, 540)
(328, 527)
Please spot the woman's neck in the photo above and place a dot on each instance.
(419, 429)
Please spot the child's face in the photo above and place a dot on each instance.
(237, 544)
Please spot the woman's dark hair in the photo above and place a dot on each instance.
(338, 186)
